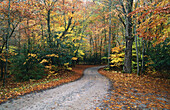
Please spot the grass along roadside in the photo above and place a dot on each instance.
(14, 89)
(130, 91)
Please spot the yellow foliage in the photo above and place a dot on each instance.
(51, 72)
(81, 52)
(32, 55)
(52, 55)
(70, 14)
(66, 64)
(116, 59)
(117, 49)
(112, 65)
(56, 74)
(113, 56)
(69, 68)
(74, 58)
(48, 67)
(43, 61)
(3, 59)
(121, 54)
(24, 63)
(48, 75)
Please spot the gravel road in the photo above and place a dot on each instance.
(83, 94)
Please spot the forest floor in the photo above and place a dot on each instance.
(84, 94)
(13, 89)
(130, 91)
(93, 91)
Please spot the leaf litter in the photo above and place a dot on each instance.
(130, 91)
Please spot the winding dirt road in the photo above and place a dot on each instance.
(83, 94)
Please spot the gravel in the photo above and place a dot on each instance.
(83, 94)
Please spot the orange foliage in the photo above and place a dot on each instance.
(152, 21)
(131, 91)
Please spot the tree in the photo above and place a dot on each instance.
(123, 8)
(153, 20)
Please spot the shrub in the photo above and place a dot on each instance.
(160, 56)
(117, 58)
(26, 67)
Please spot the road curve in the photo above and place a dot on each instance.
(83, 94)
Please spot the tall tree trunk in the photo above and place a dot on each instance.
(109, 48)
(129, 39)
(2, 63)
(49, 29)
(96, 50)
(101, 44)
(143, 50)
(19, 42)
(2, 69)
(42, 37)
(91, 47)
(105, 42)
(123, 33)
(137, 56)
(29, 39)
(7, 39)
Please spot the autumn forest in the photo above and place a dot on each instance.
(43, 41)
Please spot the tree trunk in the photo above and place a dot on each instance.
(101, 44)
(109, 48)
(96, 48)
(129, 39)
(143, 50)
(137, 56)
(91, 47)
(19, 42)
(2, 69)
(42, 37)
(29, 39)
(7, 39)
(49, 29)
(128, 57)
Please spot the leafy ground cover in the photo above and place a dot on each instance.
(14, 89)
(130, 91)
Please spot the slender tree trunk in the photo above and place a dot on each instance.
(105, 38)
(139, 48)
(19, 42)
(29, 39)
(2, 47)
(91, 46)
(137, 56)
(7, 39)
(93, 52)
(42, 36)
(2, 63)
(109, 48)
(101, 44)
(136, 43)
(2, 69)
(143, 50)
(123, 33)
(96, 49)
(49, 29)
(105, 42)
